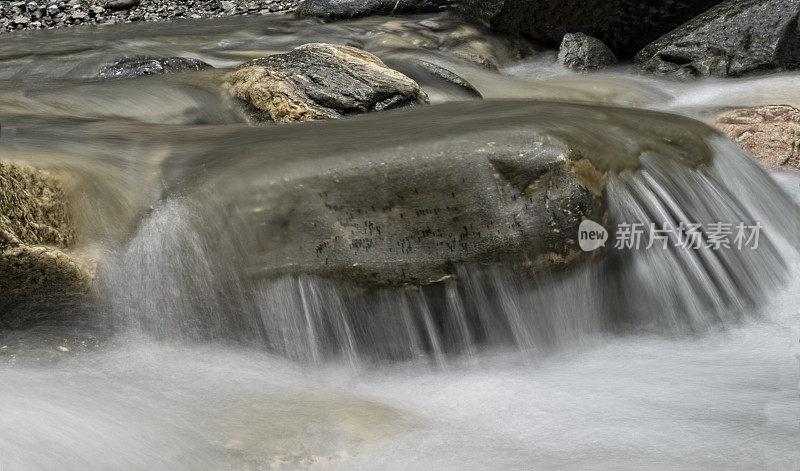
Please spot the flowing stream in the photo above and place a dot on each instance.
(188, 356)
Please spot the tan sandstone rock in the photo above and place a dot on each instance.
(770, 133)
(35, 232)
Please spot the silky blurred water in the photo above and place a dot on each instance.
(183, 360)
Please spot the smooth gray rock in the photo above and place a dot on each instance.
(142, 65)
(625, 26)
(584, 53)
(121, 4)
(402, 198)
(345, 9)
(733, 39)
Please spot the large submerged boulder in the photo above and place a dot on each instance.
(320, 81)
(404, 198)
(770, 133)
(35, 232)
(346, 9)
(624, 25)
(732, 39)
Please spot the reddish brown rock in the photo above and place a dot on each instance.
(770, 133)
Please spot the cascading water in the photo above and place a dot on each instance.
(189, 355)
(176, 279)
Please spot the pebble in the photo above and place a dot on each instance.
(44, 14)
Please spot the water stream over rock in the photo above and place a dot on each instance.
(370, 292)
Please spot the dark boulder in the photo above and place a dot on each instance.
(346, 9)
(733, 39)
(143, 65)
(625, 26)
(320, 81)
(583, 53)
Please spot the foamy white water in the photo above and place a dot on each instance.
(202, 369)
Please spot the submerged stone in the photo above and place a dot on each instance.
(320, 81)
(435, 77)
(143, 65)
(404, 198)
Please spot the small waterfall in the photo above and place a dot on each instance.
(180, 277)
(177, 278)
(681, 288)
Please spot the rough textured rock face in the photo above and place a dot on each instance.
(770, 133)
(625, 26)
(34, 227)
(141, 65)
(320, 81)
(733, 39)
(584, 53)
(345, 9)
(43, 273)
(32, 208)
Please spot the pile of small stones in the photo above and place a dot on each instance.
(16, 16)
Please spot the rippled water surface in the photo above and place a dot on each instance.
(188, 358)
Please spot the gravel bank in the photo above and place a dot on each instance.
(15, 16)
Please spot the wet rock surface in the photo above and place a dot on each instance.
(733, 39)
(381, 208)
(584, 53)
(345, 9)
(320, 81)
(35, 231)
(770, 133)
(419, 68)
(409, 217)
(15, 16)
(143, 65)
(625, 26)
